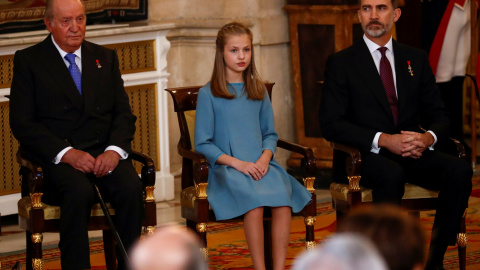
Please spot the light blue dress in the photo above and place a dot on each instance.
(242, 128)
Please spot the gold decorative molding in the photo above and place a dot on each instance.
(310, 245)
(462, 239)
(150, 195)
(37, 238)
(37, 264)
(10, 180)
(135, 57)
(201, 190)
(36, 200)
(149, 230)
(354, 183)
(310, 221)
(204, 251)
(142, 101)
(201, 227)
(308, 182)
(6, 71)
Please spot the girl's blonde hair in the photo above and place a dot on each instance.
(253, 84)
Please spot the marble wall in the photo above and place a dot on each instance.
(191, 56)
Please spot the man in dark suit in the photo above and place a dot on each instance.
(375, 98)
(70, 112)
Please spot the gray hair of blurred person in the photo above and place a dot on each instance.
(168, 248)
(343, 251)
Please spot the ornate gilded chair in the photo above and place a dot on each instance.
(37, 217)
(473, 77)
(194, 204)
(415, 198)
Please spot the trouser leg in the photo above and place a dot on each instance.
(124, 191)
(453, 178)
(71, 189)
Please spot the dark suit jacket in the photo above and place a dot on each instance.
(354, 104)
(47, 113)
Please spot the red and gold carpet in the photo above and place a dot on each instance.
(228, 247)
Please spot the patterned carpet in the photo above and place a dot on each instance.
(228, 248)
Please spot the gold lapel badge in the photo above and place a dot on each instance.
(100, 66)
(410, 68)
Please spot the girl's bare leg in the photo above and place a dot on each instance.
(281, 219)
(253, 226)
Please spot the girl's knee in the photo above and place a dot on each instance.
(282, 209)
(255, 211)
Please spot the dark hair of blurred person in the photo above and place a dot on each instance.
(398, 237)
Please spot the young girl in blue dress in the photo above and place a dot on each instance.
(235, 131)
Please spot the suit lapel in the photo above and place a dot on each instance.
(54, 64)
(363, 61)
(401, 73)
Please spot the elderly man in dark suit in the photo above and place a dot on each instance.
(70, 112)
(376, 94)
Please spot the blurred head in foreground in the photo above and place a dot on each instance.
(169, 248)
(344, 251)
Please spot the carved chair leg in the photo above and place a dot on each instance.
(340, 216)
(109, 249)
(201, 229)
(150, 219)
(267, 243)
(37, 260)
(149, 230)
(202, 206)
(29, 250)
(462, 241)
(310, 232)
(192, 225)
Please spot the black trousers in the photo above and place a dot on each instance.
(386, 174)
(73, 192)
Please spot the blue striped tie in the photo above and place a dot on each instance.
(74, 71)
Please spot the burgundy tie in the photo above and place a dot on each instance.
(387, 79)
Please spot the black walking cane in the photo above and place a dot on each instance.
(112, 226)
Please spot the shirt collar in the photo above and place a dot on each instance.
(78, 52)
(372, 46)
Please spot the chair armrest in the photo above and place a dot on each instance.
(460, 149)
(458, 146)
(35, 175)
(353, 164)
(200, 165)
(308, 160)
(148, 169)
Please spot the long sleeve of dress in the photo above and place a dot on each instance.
(204, 127)
(267, 125)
